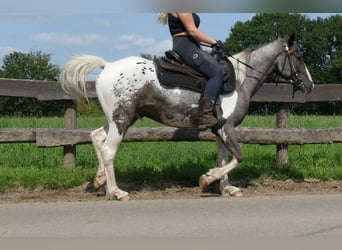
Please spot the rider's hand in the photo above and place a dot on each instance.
(220, 46)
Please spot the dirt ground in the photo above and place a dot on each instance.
(86, 193)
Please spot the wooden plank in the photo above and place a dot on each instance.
(281, 93)
(49, 90)
(326, 93)
(269, 92)
(293, 136)
(17, 135)
(48, 137)
(62, 137)
(41, 90)
(269, 136)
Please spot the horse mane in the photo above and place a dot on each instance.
(259, 46)
(244, 56)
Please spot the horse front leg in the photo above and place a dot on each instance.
(226, 141)
(226, 188)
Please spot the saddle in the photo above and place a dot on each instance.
(172, 72)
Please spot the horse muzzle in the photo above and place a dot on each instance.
(298, 84)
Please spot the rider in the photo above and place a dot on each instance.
(187, 39)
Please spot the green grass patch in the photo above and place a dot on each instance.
(48, 178)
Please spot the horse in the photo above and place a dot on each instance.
(128, 89)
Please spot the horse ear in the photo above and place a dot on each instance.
(292, 39)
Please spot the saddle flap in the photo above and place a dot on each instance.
(173, 74)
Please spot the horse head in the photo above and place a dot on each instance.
(292, 68)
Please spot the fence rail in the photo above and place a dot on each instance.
(269, 92)
(51, 137)
(70, 136)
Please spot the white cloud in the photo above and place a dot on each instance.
(103, 22)
(127, 37)
(142, 44)
(161, 47)
(65, 39)
(137, 40)
(6, 50)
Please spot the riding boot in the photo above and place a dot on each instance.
(206, 117)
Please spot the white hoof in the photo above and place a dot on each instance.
(205, 180)
(97, 185)
(117, 195)
(232, 191)
(124, 198)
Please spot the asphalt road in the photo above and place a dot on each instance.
(289, 216)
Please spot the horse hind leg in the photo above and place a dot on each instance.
(98, 138)
(106, 142)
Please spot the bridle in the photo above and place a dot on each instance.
(295, 81)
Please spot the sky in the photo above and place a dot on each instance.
(65, 28)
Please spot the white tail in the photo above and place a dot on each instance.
(73, 76)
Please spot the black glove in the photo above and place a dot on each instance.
(220, 46)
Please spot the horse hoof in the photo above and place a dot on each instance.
(236, 194)
(203, 181)
(232, 191)
(124, 198)
(96, 185)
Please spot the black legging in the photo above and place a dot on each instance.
(192, 54)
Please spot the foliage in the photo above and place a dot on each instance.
(320, 43)
(32, 66)
(147, 56)
(264, 28)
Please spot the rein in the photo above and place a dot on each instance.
(247, 65)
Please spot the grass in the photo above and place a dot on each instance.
(25, 165)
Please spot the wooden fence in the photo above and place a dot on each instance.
(70, 136)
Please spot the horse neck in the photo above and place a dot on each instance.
(263, 61)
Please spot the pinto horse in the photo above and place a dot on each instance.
(128, 89)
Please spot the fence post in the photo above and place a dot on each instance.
(70, 121)
(282, 150)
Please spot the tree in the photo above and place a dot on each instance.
(330, 28)
(264, 28)
(320, 40)
(32, 66)
(148, 56)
